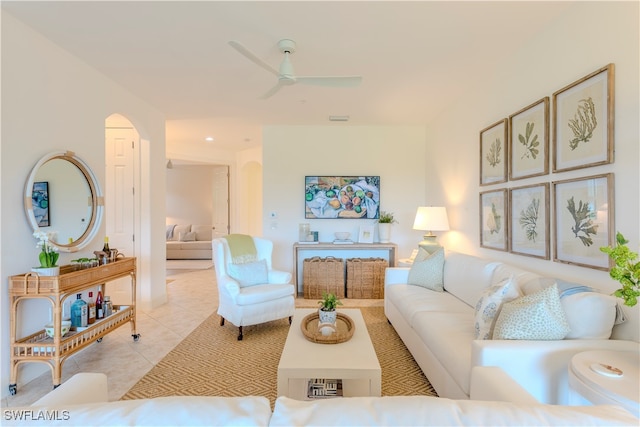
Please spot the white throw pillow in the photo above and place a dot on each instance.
(489, 305)
(537, 316)
(180, 229)
(188, 237)
(591, 315)
(426, 270)
(250, 273)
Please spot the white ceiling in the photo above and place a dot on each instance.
(415, 57)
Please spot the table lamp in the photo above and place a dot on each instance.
(430, 219)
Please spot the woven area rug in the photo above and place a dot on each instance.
(212, 362)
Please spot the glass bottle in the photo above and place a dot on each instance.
(108, 306)
(92, 310)
(99, 307)
(79, 312)
(105, 248)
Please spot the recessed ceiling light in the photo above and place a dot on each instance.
(209, 139)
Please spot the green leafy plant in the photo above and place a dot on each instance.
(48, 253)
(529, 219)
(493, 156)
(582, 217)
(583, 123)
(386, 218)
(329, 301)
(626, 271)
(530, 144)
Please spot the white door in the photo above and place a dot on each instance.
(220, 201)
(120, 145)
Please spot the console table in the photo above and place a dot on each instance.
(301, 251)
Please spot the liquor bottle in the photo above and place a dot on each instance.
(99, 308)
(107, 307)
(79, 313)
(105, 248)
(92, 310)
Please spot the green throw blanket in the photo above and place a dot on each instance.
(242, 248)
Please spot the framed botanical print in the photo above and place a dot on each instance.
(494, 220)
(493, 153)
(529, 141)
(529, 222)
(583, 122)
(584, 214)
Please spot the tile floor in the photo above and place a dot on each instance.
(192, 297)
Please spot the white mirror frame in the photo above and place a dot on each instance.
(97, 199)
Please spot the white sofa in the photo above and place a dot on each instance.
(189, 241)
(81, 401)
(438, 329)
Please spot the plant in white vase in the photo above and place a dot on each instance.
(328, 304)
(384, 226)
(48, 253)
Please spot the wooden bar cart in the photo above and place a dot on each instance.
(38, 347)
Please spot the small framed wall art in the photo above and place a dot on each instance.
(529, 141)
(583, 211)
(529, 222)
(366, 234)
(494, 219)
(493, 153)
(583, 122)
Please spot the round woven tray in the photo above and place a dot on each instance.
(344, 329)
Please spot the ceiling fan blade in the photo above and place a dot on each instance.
(272, 91)
(252, 57)
(337, 81)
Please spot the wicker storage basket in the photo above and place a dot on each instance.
(365, 277)
(323, 275)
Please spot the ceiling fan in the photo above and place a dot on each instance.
(286, 75)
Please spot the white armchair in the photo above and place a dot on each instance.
(245, 305)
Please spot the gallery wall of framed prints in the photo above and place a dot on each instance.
(527, 211)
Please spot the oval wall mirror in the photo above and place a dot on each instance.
(62, 195)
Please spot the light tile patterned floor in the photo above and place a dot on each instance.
(192, 297)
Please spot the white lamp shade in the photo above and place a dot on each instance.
(431, 218)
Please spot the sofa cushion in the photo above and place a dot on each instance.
(537, 316)
(203, 232)
(412, 299)
(448, 336)
(180, 229)
(459, 268)
(489, 305)
(426, 270)
(437, 411)
(189, 236)
(262, 293)
(249, 273)
(160, 411)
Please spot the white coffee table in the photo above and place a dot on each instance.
(354, 361)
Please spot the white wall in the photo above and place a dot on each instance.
(585, 39)
(52, 101)
(189, 198)
(395, 153)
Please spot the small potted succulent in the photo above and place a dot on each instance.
(328, 303)
(626, 270)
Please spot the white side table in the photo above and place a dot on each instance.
(586, 386)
